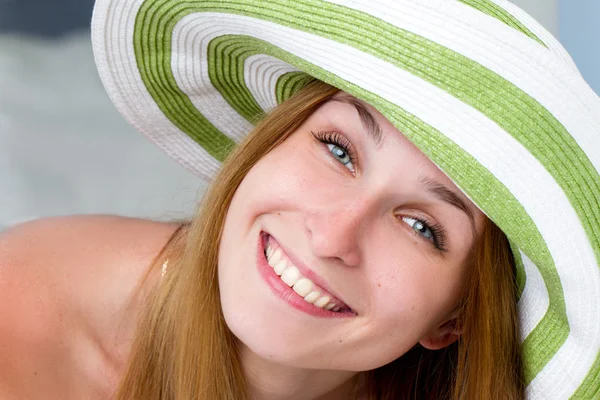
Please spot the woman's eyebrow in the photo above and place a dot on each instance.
(368, 120)
(448, 196)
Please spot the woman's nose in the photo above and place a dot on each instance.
(334, 232)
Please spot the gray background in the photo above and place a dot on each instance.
(65, 150)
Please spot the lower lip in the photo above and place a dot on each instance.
(285, 292)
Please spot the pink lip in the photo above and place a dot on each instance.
(285, 292)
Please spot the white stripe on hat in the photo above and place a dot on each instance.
(572, 255)
(537, 29)
(261, 73)
(533, 298)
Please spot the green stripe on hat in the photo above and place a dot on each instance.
(289, 83)
(226, 59)
(494, 10)
(590, 387)
(160, 83)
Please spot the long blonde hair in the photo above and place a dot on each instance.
(184, 350)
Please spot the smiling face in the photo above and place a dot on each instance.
(360, 222)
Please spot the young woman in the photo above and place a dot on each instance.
(373, 237)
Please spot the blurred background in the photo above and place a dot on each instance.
(64, 149)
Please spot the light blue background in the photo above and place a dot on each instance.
(579, 32)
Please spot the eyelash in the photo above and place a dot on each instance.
(438, 234)
(337, 139)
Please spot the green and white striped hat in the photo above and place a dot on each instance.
(478, 85)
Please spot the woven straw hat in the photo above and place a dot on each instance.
(478, 85)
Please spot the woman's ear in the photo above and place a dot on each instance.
(442, 336)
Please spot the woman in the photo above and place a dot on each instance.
(355, 244)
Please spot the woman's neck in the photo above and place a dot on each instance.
(270, 381)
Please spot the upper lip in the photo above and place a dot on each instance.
(307, 272)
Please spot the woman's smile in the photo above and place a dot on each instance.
(294, 282)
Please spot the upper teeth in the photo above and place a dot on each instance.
(301, 285)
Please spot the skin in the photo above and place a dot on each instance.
(347, 223)
(67, 303)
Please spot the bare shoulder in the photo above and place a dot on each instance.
(81, 232)
(63, 285)
(75, 255)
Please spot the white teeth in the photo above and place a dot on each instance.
(303, 286)
(322, 302)
(280, 267)
(275, 258)
(312, 297)
(290, 276)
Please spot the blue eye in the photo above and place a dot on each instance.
(341, 154)
(434, 234)
(419, 226)
(339, 147)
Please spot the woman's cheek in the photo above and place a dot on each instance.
(403, 281)
(297, 171)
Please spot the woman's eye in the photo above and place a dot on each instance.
(433, 233)
(420, 227)
(341, 154)
(339, 147)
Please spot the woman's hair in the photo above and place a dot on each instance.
(183, 348)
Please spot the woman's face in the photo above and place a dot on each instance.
(376, 232)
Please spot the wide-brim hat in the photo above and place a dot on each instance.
(477, 85)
